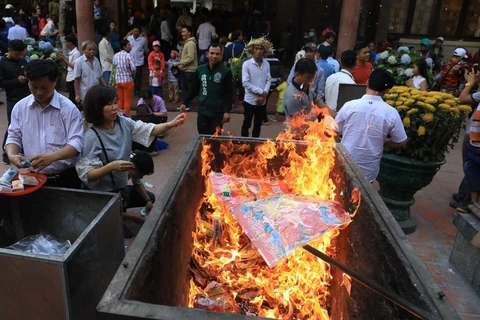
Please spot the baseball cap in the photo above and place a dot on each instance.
(441, 39)
(156, 43)
(9, 6)
(460, 52)
(425, 42)
(311, 46)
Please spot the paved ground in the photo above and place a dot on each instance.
(433, 239)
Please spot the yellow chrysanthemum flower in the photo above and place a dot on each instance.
(465, 109)
(412, 111)
(429, 107)
(398, 103)
(415, 96)
(405, 94)
(428, 117)
(450, 102)
(401, 108)
(431, 100)
(421, 104)
(390, 102)
(444, 107)
(406, 122)
(409, 102)
(421, 131)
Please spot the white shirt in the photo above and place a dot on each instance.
(256, 80)
(300, 54)
(165, 31)
(106, 54)
(73, 55)
(205, 33)
(17, 33)
(139, 50)
(365, 124)
(417, 81)
(326, 44)
(333, 84)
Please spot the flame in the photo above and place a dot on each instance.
(298, 287)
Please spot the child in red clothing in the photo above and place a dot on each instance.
(156, 54)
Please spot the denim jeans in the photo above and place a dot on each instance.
(106, 76)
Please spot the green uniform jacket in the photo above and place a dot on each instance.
(214, 89)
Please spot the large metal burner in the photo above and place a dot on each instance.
(153, 281)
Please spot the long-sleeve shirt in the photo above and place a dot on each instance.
(9, 71)
(125, 68)
(106, 54)
(39, 130)
(214, 88)
(189, 60)
(318, 85)
(256, 80)
(115, 41)
(139, 49)
(151, 59)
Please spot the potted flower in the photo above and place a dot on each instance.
(433, 121)
(43, 50)
(400, 63)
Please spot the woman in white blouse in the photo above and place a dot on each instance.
(420, 76)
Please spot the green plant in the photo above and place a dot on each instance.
(432, 120)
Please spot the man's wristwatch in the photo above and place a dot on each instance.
(468, 84)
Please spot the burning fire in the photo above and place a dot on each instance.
(225, 265)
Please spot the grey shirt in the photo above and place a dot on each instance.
(87, 74)
(297, 101)
(318, 85)
(118, 145)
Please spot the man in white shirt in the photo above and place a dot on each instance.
(138, 53)
(17, 32)
(349, 58)
(106, 53)
(205, 33)
(368, 124)
(329, 39)
(73, 55)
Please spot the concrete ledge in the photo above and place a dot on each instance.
(465, 256)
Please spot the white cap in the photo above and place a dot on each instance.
(460, 52)
(9, 6)
(441, 39)
(8, 20)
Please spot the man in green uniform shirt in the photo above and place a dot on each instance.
(214, 87)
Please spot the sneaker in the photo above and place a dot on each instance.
(5, 159)
(265, 123)
(186, 109)
(458, 197)
(273, 119)
(464, 208)
(456, 204)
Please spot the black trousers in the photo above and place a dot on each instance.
(138, 79)
(257, 113)
(208, 125)
(464, 190)
(134, 199)
(188, 79)
(68, 178)
(71, 91)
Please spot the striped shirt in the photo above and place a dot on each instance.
(39, 130)
(125, 69)
(474, 132)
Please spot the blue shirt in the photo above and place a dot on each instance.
(115, 41)
(236, 48)
(256, 80)
(318, 85)
(334, 64)
(328, 69)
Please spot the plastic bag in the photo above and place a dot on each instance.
(43, 244)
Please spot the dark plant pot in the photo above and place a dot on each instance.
(400, 178)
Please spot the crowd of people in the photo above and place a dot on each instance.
(107, 71)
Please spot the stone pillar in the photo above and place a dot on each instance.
(383, 21)
(350, 16)
(85, 21)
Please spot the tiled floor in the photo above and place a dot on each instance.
(433, 239)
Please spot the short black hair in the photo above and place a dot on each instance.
(143, 162)
(147, 94)
(325, 52)
(18, 20)
(96, 99)
(305, 65)
(72, 38)
(104, 30)
(215, 45)
(329, 35)
(381, 80)
(237, 34)
(349, 59)
(39, 68)
(123, 43)
(189, 29)
(360, 46)
(17, 45)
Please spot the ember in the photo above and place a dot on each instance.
(228, 272)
